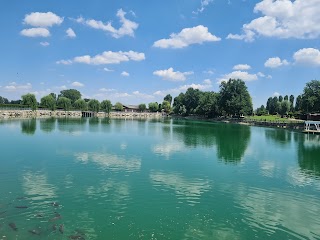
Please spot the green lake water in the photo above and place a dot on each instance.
(165, 179)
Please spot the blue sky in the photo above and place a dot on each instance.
(138, 51)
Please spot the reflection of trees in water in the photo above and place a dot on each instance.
(231, 140)
(279, 135)
(71, 125)
(47, 124)
(29, 126)
(309, 154)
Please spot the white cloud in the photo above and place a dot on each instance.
(170, 74)
(142, 95)
(77, 84)
(242, 67)
(207, 81)
(276, 94)
(204, 4)
(187, 36)
(38, 19)
(108, 70)
(307, 56)
(125, 74)
(107, 57)
(13, 87)
(209, 72)
(245, 76)
(106, 89)
(35, 32)
(64, 62)
(45, 44)
(275, 62)
(70, 33)
(260, 74)
(283, 19)
(127, 28)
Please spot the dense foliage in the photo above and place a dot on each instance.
(64, 103)
(106, 106)
(94, 105)
(118, 106)
(142, 107)
(80, 104)
(48, 102)
(30, 100)
(71, 94)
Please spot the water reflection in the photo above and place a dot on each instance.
(110, 162)
(272, 211)
(279, 136)
(29, 126)
(47, 124)
(309, 154)
(188, 189)
(73, 126)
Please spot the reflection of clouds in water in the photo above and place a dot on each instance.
(110, 161)
(267, 168)
(274, 211)
(84, 224)
(166, 149)
(68, 181)
(37, 187)
(185, 188)
(123, 146)
(299, 178)
(311, 141)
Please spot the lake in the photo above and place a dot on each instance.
(156, 179)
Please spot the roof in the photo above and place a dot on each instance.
(131, 106)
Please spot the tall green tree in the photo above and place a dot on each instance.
(3, 100)
(166, 106)
(235, 98)
(106, 106)
(29, 100)
(286, 98)
(291, 99)
(208, 104)
(94, 105)
(280, 98)
(48, 102)
(80, 104)
(118, 106)
(64, 103)
(72, 94)
(191, 100)
(311, 97)
(153, 106)
(284, 107)
(168, 98)
(142, 107)
(178, 105)
(298, 106)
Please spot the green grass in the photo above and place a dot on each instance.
(271, 118)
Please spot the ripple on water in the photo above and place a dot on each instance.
(274, 211)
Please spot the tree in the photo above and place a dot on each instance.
(29, 100)
(80, 104)
(142, 107)
(64, 103)
(166, 106)
(72, 94)
(16, 102)
(235, 98)
(106, 106)
(94, 105)
(54, 96)
(311, 97)
(261, 111)
(86, 100)
(118, 106)
(168, 98)
(3, 100)
(191, 100)
(153, 106)
(280, 98)
(178, 104)
(48, 102)
(298, 106)
(286, 98)
(208, 104)
(292, 102)
(284, 107)
(269, 105)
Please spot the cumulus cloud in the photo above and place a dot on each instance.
(187, 36)
(77, 84)
(108, 70)
(275, 62)
(70, 33)
(39, 19)
(307, 56)
(142, 95)
(13, 86)
(125, 74)
(170, 74)
(283, 19)
(242, 67)
(107, 57)
(106, 89)
(243, 75)
(44, 44)
(127, 28)
(204, 4)
(35, 32)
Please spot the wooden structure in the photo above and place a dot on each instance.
(312, 126)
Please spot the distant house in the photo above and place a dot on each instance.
(131, 108)
(313, 116)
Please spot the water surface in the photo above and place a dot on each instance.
(167, 179)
